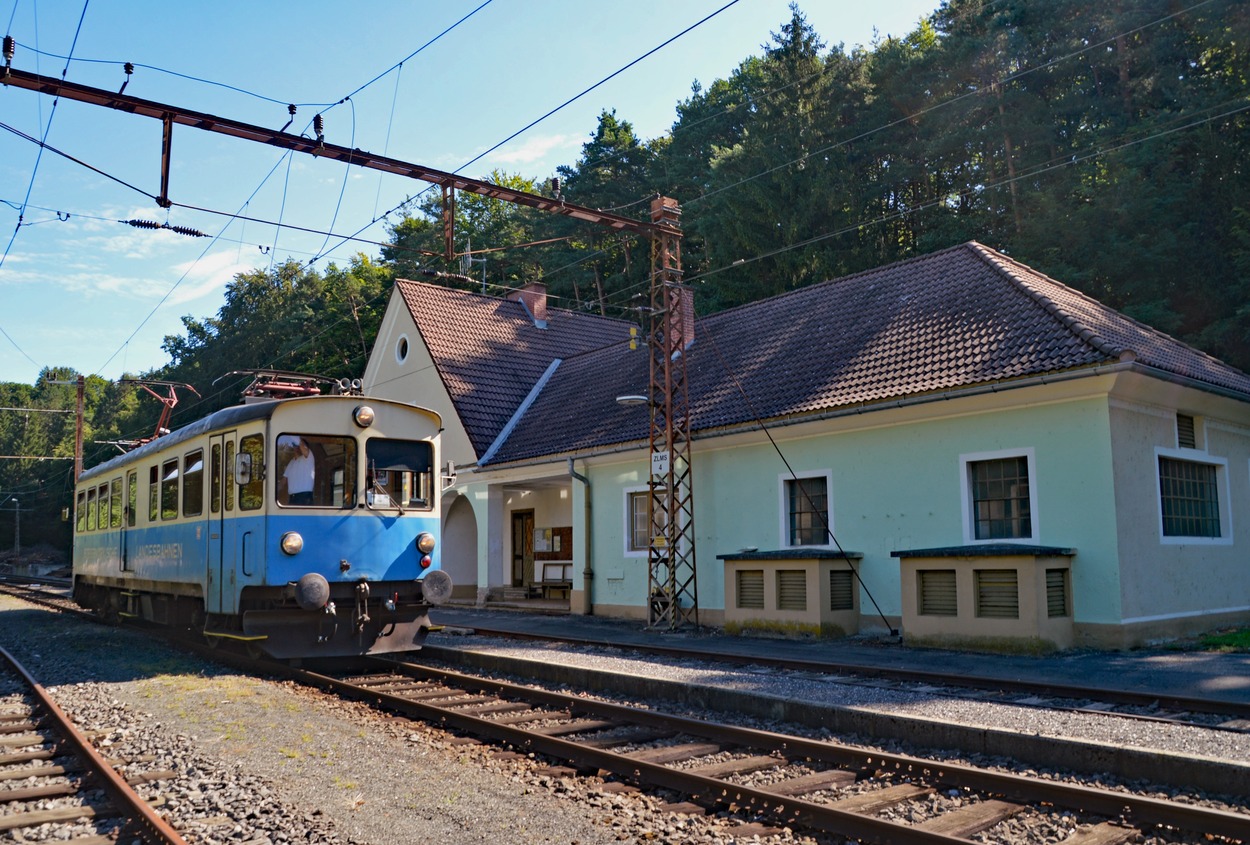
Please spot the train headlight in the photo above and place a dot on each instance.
(292, 543)
(425, 542)
(363, 416)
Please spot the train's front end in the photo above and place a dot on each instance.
(351, 537)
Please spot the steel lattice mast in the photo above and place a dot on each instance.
(672, 589)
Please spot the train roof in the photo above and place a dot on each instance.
(225, 418)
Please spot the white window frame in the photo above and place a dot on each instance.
(783, 506)
(965, 496)
(403, 341)
(1195, 456)
(629, 493)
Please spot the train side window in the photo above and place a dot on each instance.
(169, 489)
(214, 480)
(154, 487)
(91, 509)
(193, 483)
(132, 497)
(252, 494)
(80, 511)
(102, 506)
(115, 504)
(229, 482)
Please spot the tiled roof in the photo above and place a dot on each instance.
(489, 353)
(960, 317)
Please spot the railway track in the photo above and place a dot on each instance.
(50, 773)
(1205, 712)
(779, 779)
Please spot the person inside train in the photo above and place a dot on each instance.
(299, 475)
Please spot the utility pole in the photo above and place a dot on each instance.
(17, 527)
(78, 424)
(673, 593)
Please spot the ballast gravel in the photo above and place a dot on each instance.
(264, 762)
(831, 691)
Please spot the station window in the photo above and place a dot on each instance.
(169, 489)
(999, 496)
(639, 526)
(808, 521)
(193, 483)
(1189, 498)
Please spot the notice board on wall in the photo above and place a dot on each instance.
(553, 543)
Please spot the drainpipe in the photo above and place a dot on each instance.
(588, 574)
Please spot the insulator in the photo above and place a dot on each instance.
(142, 224)
(185, 230)
(129, 68)
(290, 109)
(318, 125)
(10, 48)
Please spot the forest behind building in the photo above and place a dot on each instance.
(1104, 144)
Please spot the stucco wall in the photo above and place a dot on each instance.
(414, 379)
(895, 485)
(1174, 584)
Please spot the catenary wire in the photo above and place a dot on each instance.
(408, 201)
(35, 170)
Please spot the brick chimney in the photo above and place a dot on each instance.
(685, 296)
(680, 310)
(534, 297)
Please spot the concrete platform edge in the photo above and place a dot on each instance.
(1217, 776)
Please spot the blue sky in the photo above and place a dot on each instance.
(79, 289)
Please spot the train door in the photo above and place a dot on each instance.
(129, 515)
(221, 591)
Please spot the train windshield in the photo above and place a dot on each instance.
(316, 471)
(399, 473)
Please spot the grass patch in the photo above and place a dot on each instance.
(1231, 641)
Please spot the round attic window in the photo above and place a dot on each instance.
(401, 349)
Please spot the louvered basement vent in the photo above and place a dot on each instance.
(937, 593)
(1057, 592)
(791, 589)
(998, 595)
(751, 589)
(841, 589)
(1186, 438)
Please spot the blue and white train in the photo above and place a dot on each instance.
(206, 528)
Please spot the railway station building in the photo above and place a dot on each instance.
(1002, 461)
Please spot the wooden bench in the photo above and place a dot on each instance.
(556, 575)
